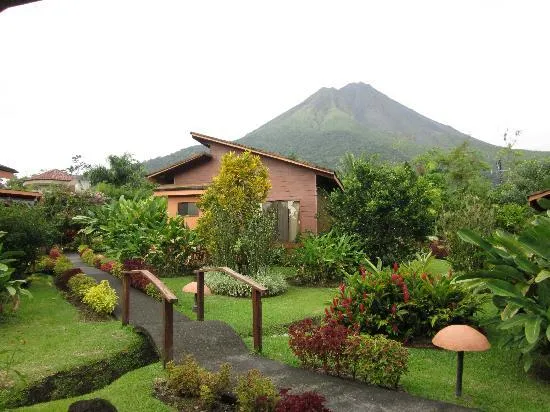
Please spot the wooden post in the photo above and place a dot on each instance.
(125, 298)
(168, 317)
(257, 319)
(200, 295)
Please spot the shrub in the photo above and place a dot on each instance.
(98, 260)
(62, 264)
(28, 230)
(172, 248)
(54, 253)
(466, 212)
(88, 256)
(307, 401)
(237, 233)
(388, 206)
(62, 280)
(256, 393)
(328, 258)
(222, 284)
(45, 264)
(101, 298)
(517, 275)
(107, 266)
(80, 283)
(342, 351)
(82, 248)
(138, 281)
(117, 269)
(402, 305)
(377, 359)
(152, 291)
(187, 378)
(320, 346)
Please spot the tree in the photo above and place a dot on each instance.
(78, 165)
(237, 232)
(124, 176)
(388, 206)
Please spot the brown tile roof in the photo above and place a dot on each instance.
(533, 197)
(8, 169)
(181, 163)
(20, 194)
(54, 174)
(205, 140)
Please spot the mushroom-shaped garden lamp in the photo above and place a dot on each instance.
(460, 338)
(192, 288)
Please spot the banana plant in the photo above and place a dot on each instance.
(518, 276)
(10, 289)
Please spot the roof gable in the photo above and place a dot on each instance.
(207, 140)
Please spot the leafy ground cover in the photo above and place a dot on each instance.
(47, 336)
(130, 393)
(278, 311)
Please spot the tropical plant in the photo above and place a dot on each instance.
(517, 274)
(125, 226)
(10, 289)
(402, 304)
(172, 248)
(325, 259)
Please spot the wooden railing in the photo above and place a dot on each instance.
(257, 292)
(168, 300)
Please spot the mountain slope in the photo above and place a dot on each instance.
(356, 118)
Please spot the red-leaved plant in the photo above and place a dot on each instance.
(301, 402)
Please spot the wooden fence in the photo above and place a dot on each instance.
(257, 292)
(168, 300)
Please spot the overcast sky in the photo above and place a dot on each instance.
(100, 77)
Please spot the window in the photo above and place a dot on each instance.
(288, 223)
(188, 209)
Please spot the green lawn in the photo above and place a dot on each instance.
(278, 311)
(46, 336)
(129, 393)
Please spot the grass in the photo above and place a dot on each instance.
(46, 336)
(129, 393)
(493, 380)
(278, 311)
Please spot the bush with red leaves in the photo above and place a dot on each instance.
(62, 280)
(303, 402)
(320, 346)
(107, 266)
(54, 253)
(343, 351)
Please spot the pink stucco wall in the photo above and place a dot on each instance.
(288, 182)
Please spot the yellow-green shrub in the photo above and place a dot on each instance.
(88, 256)
(101, 298)
(79, 284)
(256, 392)
(45, 264)
(189, 380)
(62, 264)
(117, 269)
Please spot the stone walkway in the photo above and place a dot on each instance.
(214, 342)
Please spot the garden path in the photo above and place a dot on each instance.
(214, 342)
